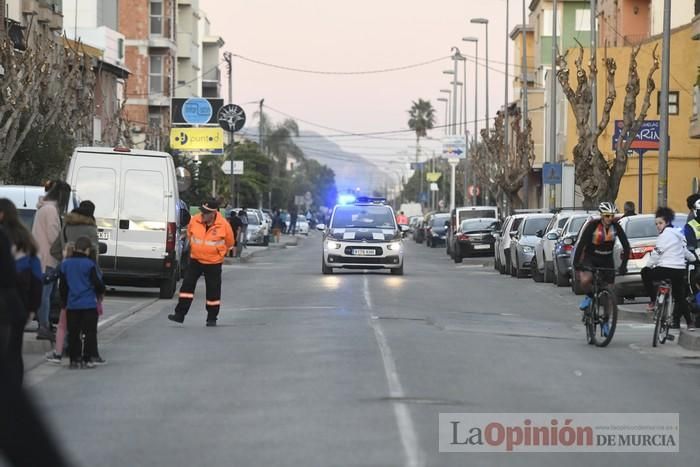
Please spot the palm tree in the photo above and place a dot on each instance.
(421, 119)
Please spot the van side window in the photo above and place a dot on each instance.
(144, 196)
(98, 184)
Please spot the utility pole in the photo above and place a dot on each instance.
(553, 102)
(662, 194)
(2, 19)
(506, 126)
(594, 58)
(229, 68)
(467, 168)
(524, 84)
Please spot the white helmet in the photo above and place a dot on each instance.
(696, 208)
(607, 208)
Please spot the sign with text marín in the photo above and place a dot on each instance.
(647, 137)
(195, 110)
(197, 140)
(454, 147)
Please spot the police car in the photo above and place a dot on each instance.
(363, 234)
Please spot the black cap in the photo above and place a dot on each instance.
(209, 206)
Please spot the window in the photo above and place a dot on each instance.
(156, 17)
(99, 185)
(143, 197)
(673, 106)
(547, 22)
(155, 121)
(156, 74)
(583, 20)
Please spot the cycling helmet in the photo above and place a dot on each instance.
(607, 208)
(696, 208)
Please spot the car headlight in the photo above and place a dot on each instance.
(333, 245)
(528, 249)
(394, 246)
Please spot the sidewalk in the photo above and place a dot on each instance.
(250, 252)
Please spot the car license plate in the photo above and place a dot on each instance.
(481, 247)
(103, 234)
(363, 252)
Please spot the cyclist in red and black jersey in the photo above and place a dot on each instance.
(595, 249)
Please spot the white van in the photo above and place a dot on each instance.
(467, 212)
(137, 212)
(25, 199)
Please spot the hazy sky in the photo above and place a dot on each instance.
(331, 35)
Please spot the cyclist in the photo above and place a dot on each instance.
(595, 250)
(667, 261)
(692, 228)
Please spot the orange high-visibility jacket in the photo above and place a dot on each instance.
(209, 246)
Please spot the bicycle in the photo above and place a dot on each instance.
(662, 318)
(601, 312)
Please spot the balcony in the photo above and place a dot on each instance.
(47, 12)
(695, 118)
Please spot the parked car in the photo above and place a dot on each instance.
(563, 248)
(461, 214)
(25, 199)
(302, 226)
(522, 246)
(412, 222)
(502, 244)
(255, 233)
(138, 213)
(436, 229)
(475, 236)
(543, 262)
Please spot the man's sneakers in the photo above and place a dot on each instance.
(53, 357)
(211, 324)
(605, 329)
(178, 318)
(585, 303)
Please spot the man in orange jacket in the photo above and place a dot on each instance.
(211, 238)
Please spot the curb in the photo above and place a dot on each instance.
(628, 314)
(689, 340)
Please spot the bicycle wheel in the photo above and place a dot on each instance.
(658, 320)
(607, 316)
(665, 325)
(590, 321)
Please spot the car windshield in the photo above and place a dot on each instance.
(640, 228)
(363, 216)
(253, 219)
(535, 224)
(439, 221)
(478, 224)
(576, 224)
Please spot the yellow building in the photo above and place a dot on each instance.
(684, 153)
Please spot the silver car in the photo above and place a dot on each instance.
(522, 245)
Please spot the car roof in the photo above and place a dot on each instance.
(131, 151)
(22, 196)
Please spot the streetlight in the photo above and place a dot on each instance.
(476, 100)
(447, 106)
(506, 147)
(485, 22)
(449, 99)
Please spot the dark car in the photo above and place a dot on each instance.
(419, 231)
(475, 236)
(435, 229)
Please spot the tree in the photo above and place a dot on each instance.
(49, 84)
(421, 119)
(598, 180)
(43, 155)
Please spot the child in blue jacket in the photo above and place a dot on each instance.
(81, 285)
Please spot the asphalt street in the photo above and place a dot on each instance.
(353, 369)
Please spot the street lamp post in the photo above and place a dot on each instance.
(506, 147)
(476, 101)
(449, 100)
(455, 58)
(447, 106)
(524, 85)
(485, 22)
(553, 102)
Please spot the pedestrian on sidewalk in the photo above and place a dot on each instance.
(211, 238)
(81, 289)
(28, 286)
(628, 209)
(80, 222)
(293, 221)
(46, 228)
(277, 225)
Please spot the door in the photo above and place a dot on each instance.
(95, 178)
(143, 214)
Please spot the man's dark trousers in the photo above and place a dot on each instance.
(212, 279)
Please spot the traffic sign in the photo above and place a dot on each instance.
(231, 118)
(433, 176)
(434, 187)
(454, 147)
(417, 165)
(551, 174)
(473, 190)
(196, 111)
(237, 167)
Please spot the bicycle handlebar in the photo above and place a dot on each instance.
(594, 269)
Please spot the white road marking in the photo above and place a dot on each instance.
(578, 373)
(407, 431)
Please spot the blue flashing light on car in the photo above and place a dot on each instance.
(346, 199)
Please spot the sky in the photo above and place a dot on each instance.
(360, 35)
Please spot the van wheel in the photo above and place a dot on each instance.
(168, 286)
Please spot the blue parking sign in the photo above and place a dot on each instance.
(551, 173)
